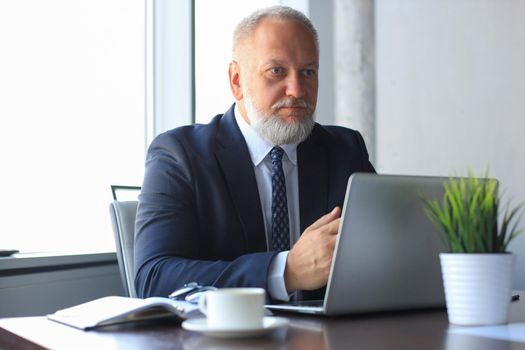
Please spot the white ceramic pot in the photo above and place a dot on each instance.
(478, 287)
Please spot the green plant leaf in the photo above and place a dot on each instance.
(468, 216)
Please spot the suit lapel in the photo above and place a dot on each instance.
(235, 162)
(313, 179)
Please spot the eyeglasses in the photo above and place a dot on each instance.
(190, 292)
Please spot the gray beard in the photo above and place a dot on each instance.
(274, 130)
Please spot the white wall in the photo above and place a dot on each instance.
(450, 91)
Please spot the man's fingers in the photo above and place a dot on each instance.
(333, 227)
(309, 260)
(325, 219)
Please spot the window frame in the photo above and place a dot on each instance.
(169, 77)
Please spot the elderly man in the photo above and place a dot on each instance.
(253, 198)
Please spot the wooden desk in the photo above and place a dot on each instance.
(414, 330)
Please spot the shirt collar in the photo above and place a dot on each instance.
(259, 147)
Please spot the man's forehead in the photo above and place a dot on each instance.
(276, 61)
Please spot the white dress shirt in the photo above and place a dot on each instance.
(259, 151)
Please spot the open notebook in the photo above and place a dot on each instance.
(115, 309)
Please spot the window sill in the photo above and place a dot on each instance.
(36, 262)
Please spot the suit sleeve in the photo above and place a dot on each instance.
(169, 240)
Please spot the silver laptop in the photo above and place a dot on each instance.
(387, 252)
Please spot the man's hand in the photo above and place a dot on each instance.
(309, 261)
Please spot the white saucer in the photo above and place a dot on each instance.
(201, 325)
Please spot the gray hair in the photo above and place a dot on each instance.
(248, 24)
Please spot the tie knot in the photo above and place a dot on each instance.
(276, 154)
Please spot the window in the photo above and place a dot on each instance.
(72, 119)
(214, 25)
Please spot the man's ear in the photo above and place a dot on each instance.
(235, 80)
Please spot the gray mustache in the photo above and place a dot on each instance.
(292, 102)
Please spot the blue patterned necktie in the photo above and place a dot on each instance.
(280, 226)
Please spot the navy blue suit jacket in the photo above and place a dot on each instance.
(199, 216)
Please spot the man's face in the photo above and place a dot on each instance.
(278, 65)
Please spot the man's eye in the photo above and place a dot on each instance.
(309, 72)
(277, 70)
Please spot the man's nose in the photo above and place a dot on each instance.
(294, 86)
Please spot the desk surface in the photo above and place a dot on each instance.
(408, 330)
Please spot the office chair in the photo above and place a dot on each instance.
(123, 215)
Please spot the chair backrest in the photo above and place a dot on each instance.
(123, 215)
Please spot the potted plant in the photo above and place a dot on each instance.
(477, 269)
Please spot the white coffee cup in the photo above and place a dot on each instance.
(233, 308)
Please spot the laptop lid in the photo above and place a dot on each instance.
(387, 252)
